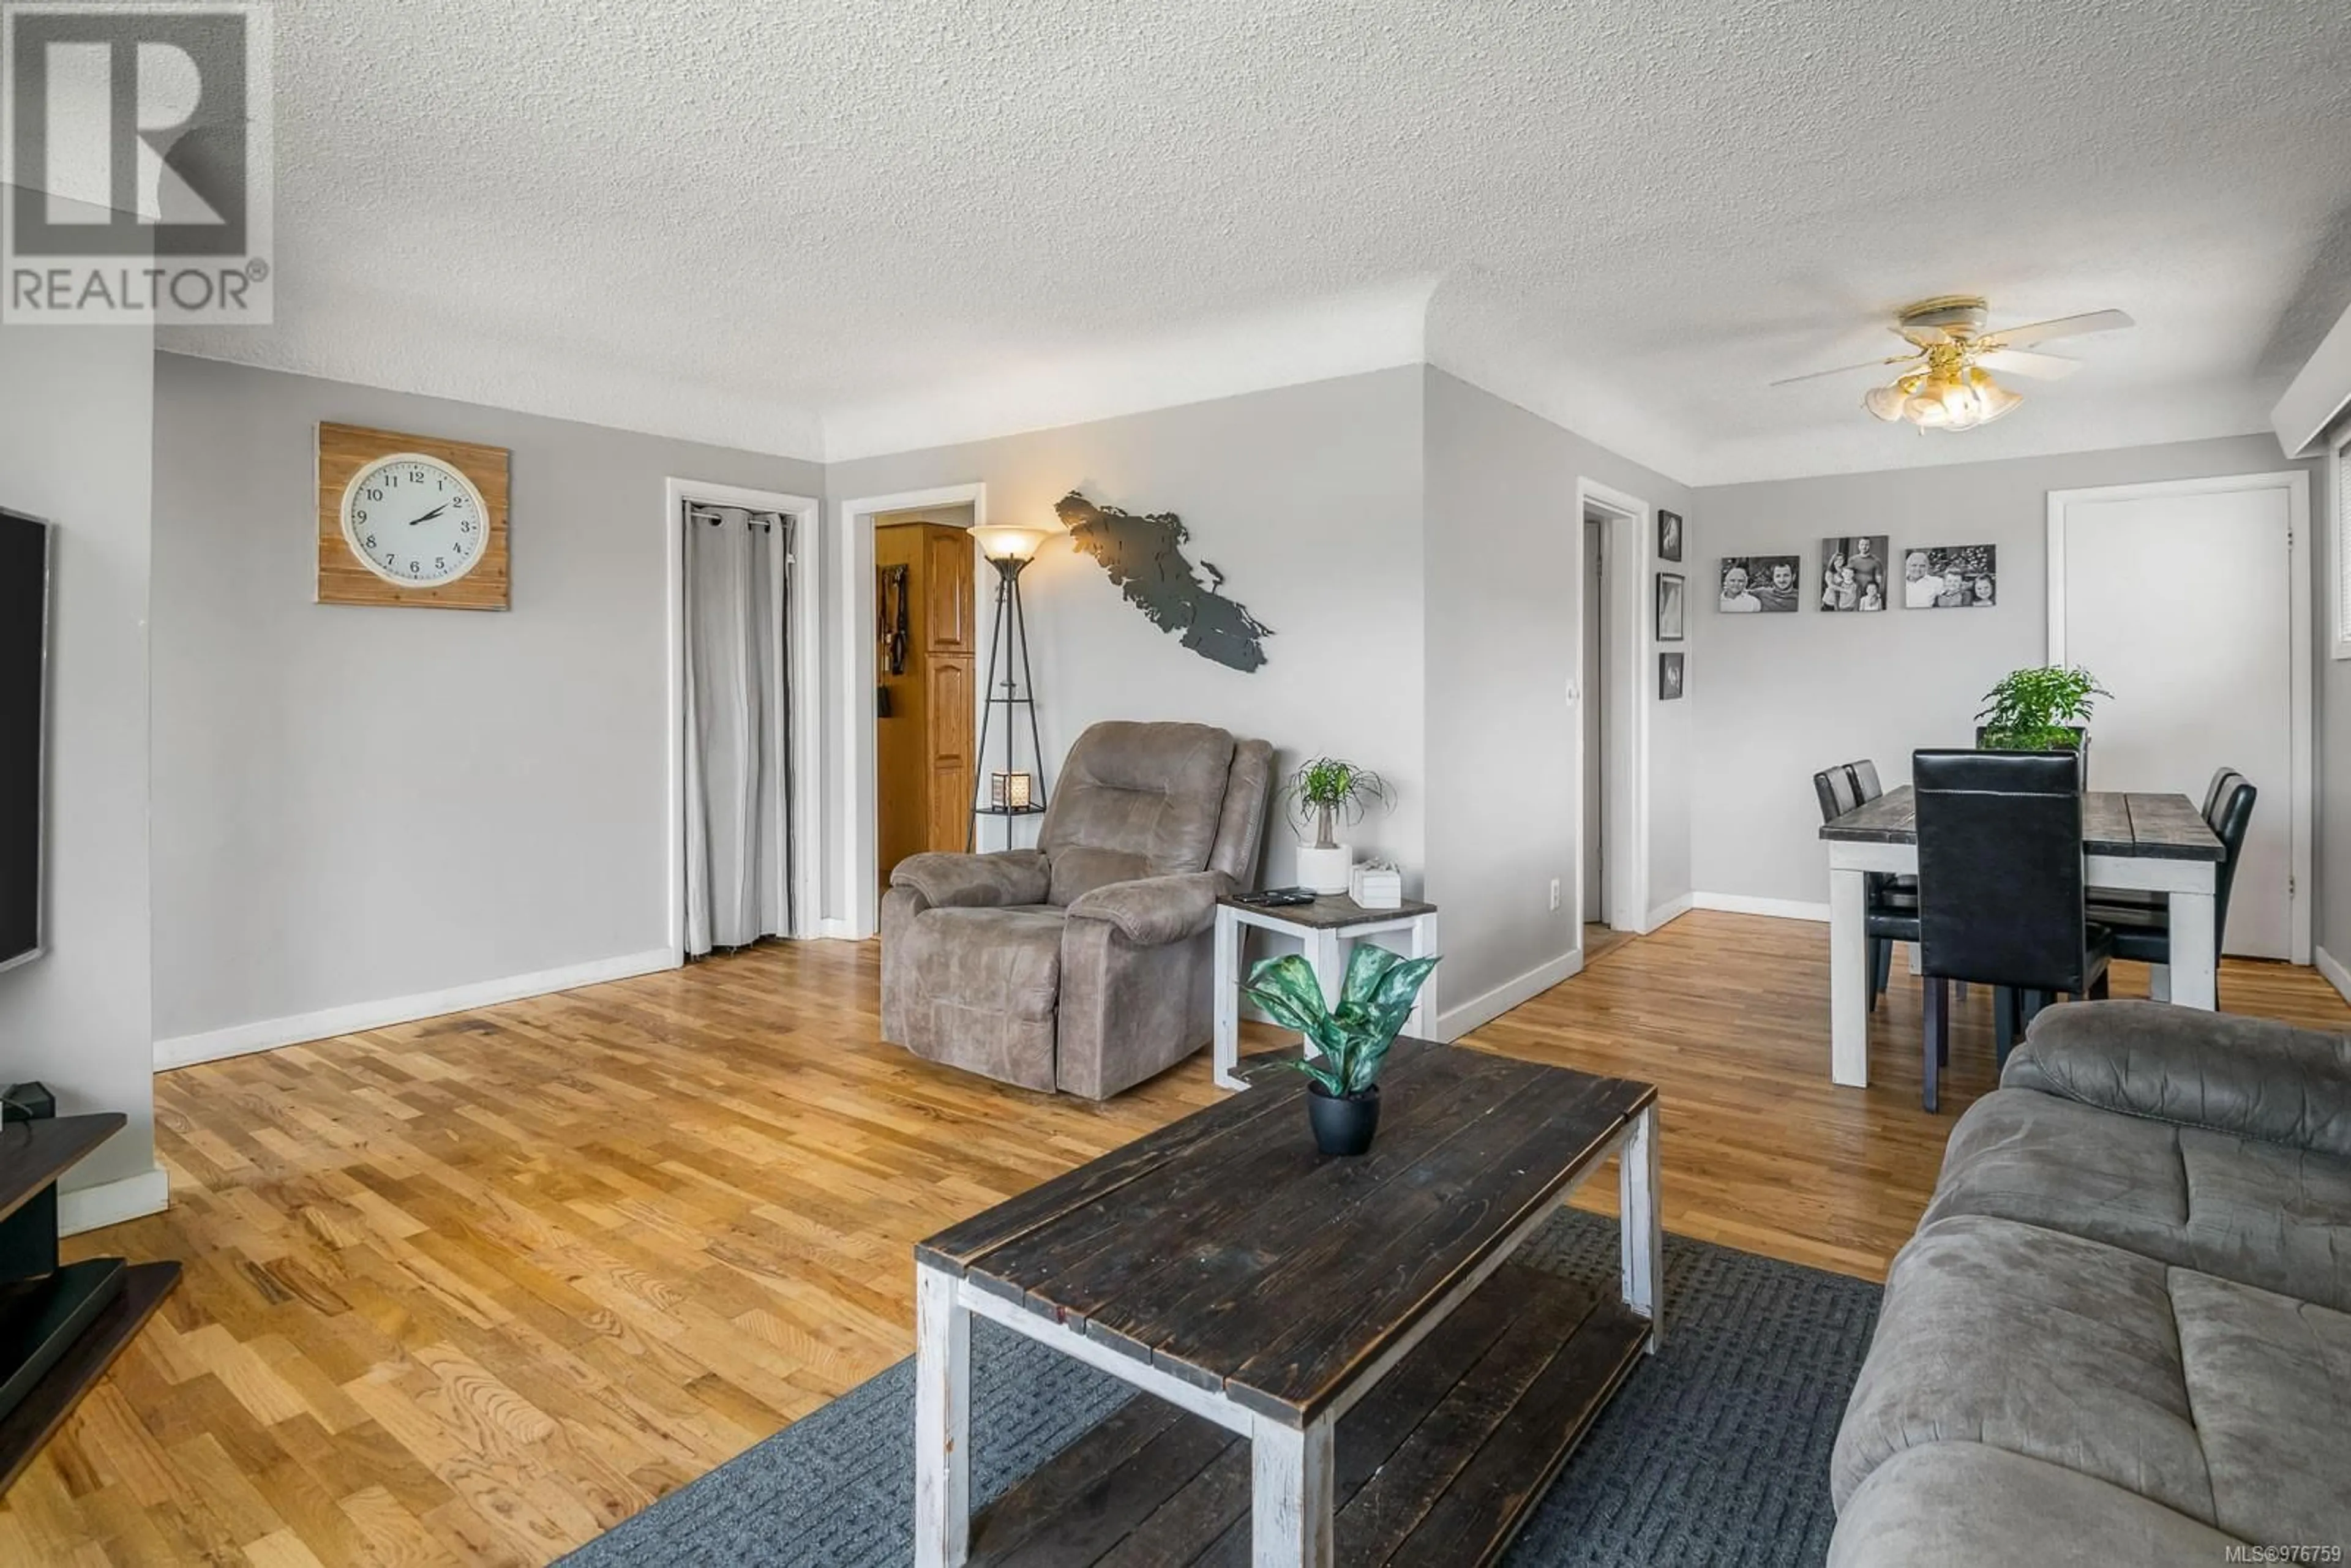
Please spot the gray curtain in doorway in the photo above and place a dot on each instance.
(739, 782)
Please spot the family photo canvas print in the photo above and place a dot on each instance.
(1951, 577)
(1669, 607)
(1669, 534)
(1669, 677)
(1854, 573)
(1760, 584)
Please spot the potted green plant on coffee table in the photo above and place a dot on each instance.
(1317, 796)
(1343, 1095)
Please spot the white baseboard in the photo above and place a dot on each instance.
(268, 1034)
(1672, 909)
(2331, 967)
(112, 1202)
(836, 930)
(1456, 1021)
(1777, 908)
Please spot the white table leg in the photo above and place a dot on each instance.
(1643, 1229)
(1424, 1007)
(1848, 978)
(941, 1421)
(1290, 1496)
(2158, 982)
(1227, 1046)
(1327, 954)
(2194, 983)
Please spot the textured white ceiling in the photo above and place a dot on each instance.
(825, 229)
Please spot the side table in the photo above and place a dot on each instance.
(61, 1325)
(1326, 927)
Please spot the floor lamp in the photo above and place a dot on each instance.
(1008, 794)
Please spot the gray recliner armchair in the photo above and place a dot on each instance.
(1085, 963)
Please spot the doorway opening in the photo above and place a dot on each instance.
(1599, 936)
(926, 642)
(933, 696)
(742, 728)
(1612, 702)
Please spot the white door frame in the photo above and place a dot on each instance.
(2296, 483)
(1624, 815)
(801, 832)
(852, 692)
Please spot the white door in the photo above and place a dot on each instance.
(2180, 599)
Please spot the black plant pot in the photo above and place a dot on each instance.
(2080, 749)
(1343, 1126)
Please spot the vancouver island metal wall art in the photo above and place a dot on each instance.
(1145, 556)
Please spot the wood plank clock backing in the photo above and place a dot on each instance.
(344, 578)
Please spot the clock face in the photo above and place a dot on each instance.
(415, 520)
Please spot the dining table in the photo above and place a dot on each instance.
(2143, 843)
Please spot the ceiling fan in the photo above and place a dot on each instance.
(1949, 383)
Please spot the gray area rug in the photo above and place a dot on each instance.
(1715, 1451)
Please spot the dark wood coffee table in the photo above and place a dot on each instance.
(1341, 1354)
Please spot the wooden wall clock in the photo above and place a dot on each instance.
(410, 519)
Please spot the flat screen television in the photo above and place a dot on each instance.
(24, 695)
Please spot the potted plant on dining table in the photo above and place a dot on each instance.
(1348, 1041)
(2047, 708)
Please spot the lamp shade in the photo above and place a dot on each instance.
(1009, 544)
(1886, 401)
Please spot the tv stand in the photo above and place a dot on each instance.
(60, 1326)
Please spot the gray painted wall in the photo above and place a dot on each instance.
(1308, 498)
(76, 438)
(1777, 697)
(353, 804)
(1505, 547)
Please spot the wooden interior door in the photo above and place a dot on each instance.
(950, 761)
(947, 591)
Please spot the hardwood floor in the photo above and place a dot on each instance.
(1599, 940)
(473, 1290)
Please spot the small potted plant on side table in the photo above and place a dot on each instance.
(1342, 1098)
(1316, 796)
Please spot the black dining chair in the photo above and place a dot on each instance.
(2139, 898)
(1833, 788)
(1890, 913)
(2143, 933)
(2220, 776)
(2001, 887)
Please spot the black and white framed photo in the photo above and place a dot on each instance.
(1760, 584)
(1951, 577)
(1669, 534)
(1669, 677)
(1856, 573)
(1670, 592)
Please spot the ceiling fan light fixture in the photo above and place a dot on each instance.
(1946, 382)
(1993, 398)
(1886, 402)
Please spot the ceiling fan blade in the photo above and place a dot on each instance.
(2062, 326)
(2024, 362)
(1846, 370)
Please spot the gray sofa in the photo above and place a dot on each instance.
(2122, 1331)
(1085, 963)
